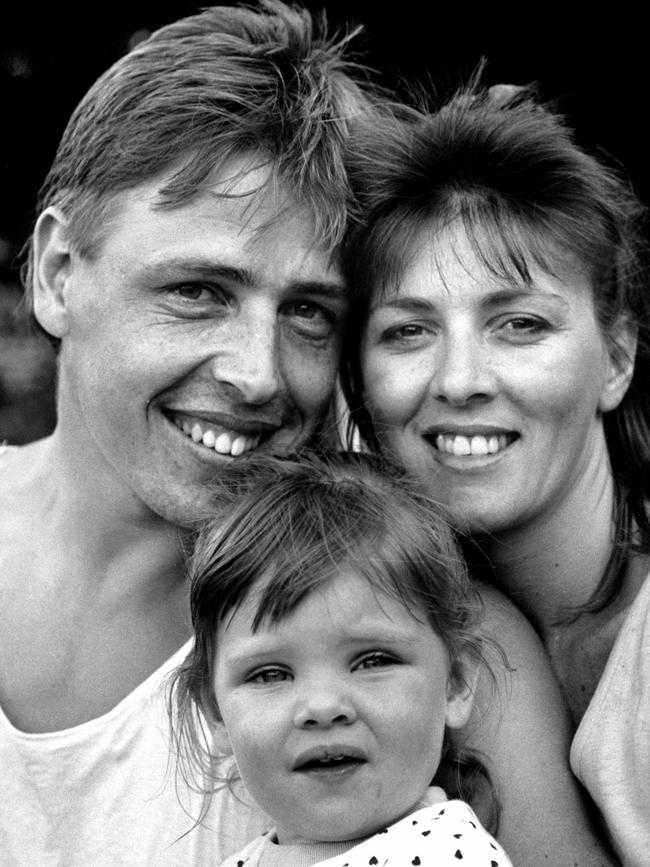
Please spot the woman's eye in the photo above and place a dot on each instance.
(405, 333)
(524, 326)
(269, 675)
(375, 660)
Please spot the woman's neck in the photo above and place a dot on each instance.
(552, 565)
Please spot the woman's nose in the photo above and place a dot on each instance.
(462, 371)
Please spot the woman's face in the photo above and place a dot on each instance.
(489, 389)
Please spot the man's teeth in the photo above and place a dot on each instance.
(225, 443)
(454, 444)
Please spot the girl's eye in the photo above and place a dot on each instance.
(269, 675)
(377, 659)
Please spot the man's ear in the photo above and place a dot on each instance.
(52, 266)
(461, 688)
(623, 344)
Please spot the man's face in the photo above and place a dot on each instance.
(196, 334)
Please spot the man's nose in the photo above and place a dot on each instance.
(247, 361)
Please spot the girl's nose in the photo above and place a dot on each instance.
(324, 707)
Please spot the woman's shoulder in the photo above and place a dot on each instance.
(521, 728)
(503, 621)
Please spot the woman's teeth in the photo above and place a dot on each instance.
(454, 444)
(225, 443)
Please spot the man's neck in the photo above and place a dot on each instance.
(101, 528)
(94, 590)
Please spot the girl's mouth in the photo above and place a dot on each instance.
(331, 763)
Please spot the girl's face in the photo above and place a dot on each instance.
(336, 714)
(492, 391)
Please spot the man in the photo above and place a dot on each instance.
(184, 260)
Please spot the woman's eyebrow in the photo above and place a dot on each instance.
(517, 293)
(423, 304)
(409, 303)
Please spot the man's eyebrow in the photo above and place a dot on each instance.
(188, 268)
(331, 289)
(206, 269)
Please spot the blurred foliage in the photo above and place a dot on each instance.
(27, 373)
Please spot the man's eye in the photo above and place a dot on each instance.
(312, 319)
(198, 292)
(269, 675)
(307, 311)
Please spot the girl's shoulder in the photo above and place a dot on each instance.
(446, 833)
(248, 856)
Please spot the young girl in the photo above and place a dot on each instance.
(337, 641)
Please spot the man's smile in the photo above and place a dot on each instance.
(224, 441)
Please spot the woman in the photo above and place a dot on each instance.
(500, 297)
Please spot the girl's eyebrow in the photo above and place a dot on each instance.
(364, 635)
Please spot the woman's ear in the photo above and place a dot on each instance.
(461, 688)
(622, 339)
(52, 266)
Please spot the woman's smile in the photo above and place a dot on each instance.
(492, 391)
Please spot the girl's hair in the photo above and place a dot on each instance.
(296, 523)
(510, 173)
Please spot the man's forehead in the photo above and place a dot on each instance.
(326, 283)
(248, 233)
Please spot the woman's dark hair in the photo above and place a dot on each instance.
(511, 174)
(295, 523)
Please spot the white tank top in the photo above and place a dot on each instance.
(103, 793)
(610, 753)
(100, 794)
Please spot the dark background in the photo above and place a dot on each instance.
(594, 63)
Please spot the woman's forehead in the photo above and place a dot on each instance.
(507, 254)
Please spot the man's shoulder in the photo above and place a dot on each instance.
(16, 460)
(18, 484)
